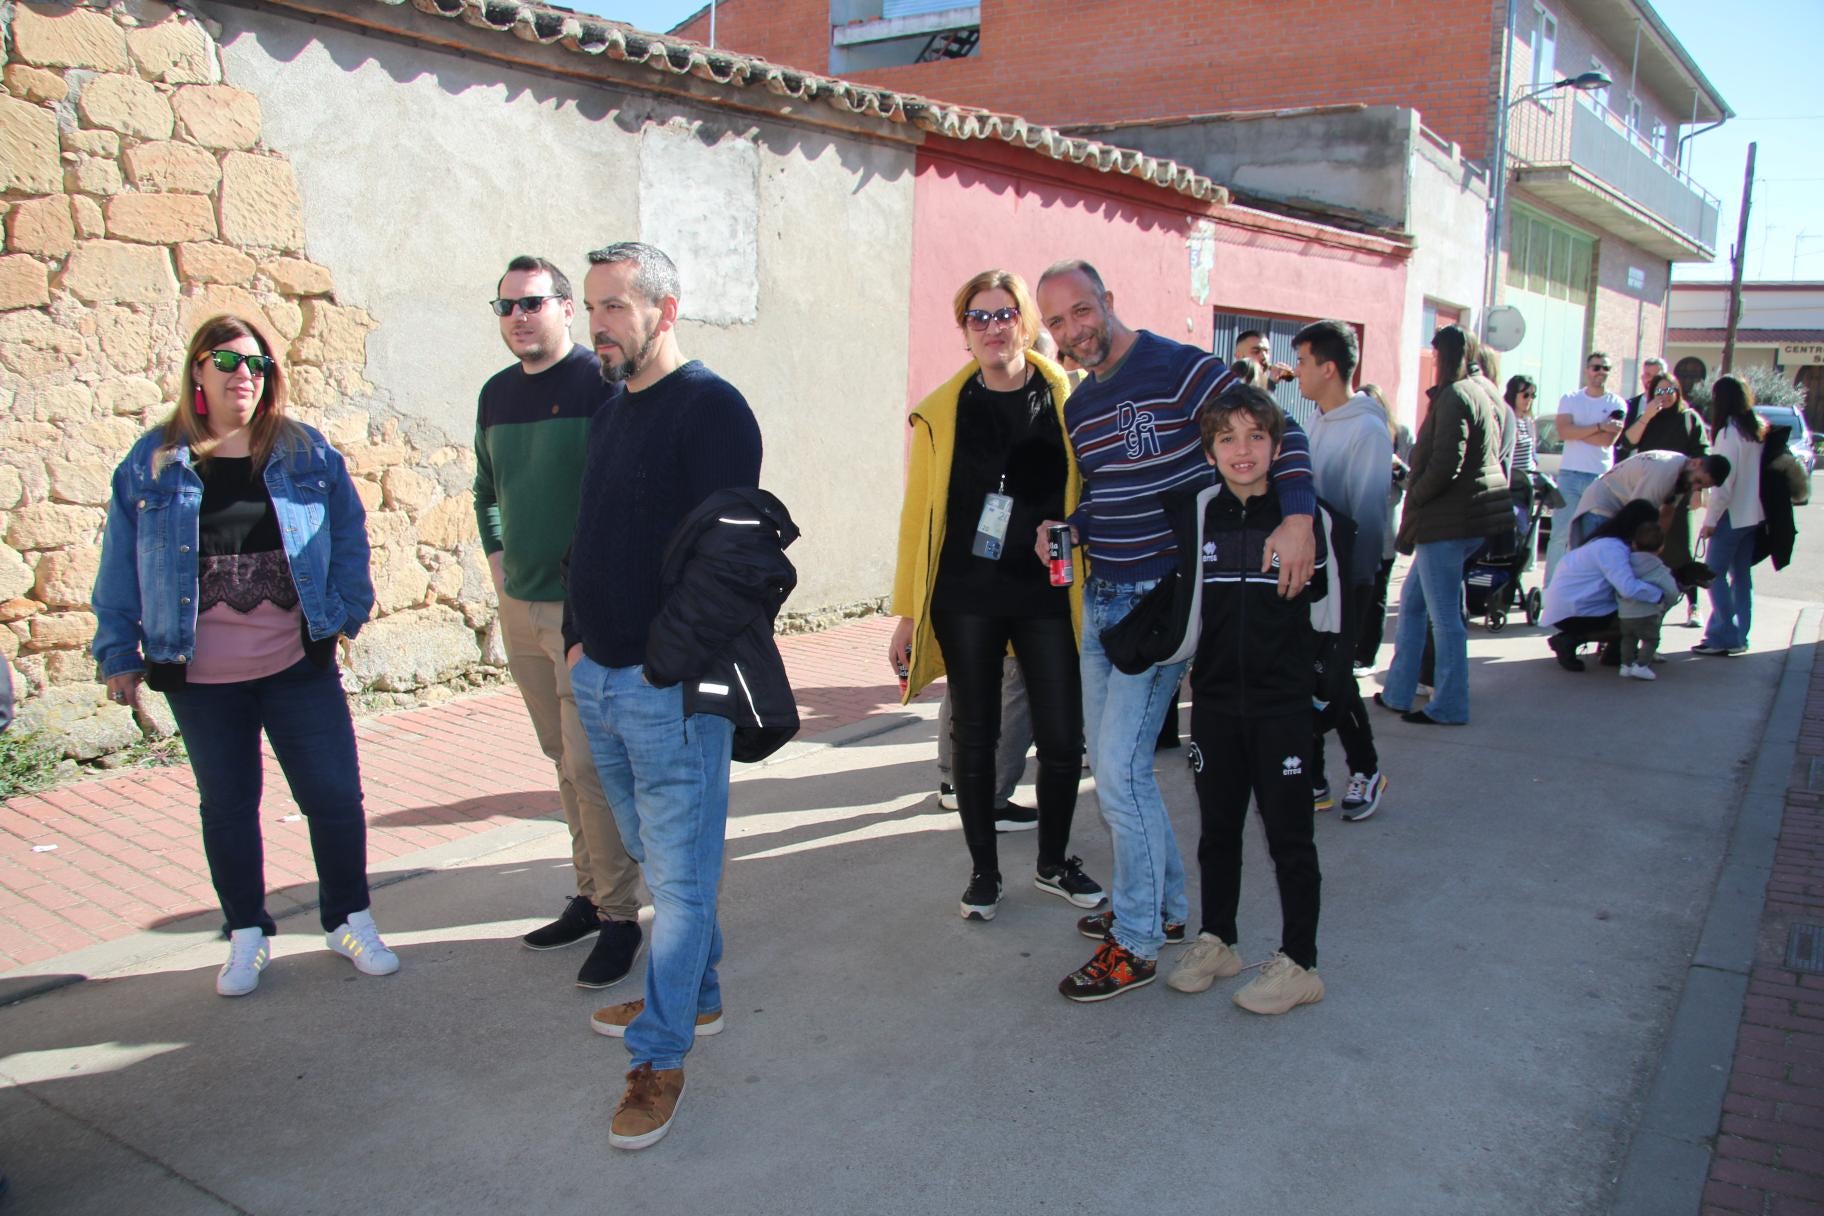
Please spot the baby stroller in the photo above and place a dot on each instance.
(1492, 579)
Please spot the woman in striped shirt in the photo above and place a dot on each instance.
(1520, 393)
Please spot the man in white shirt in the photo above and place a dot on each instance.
(1588, 421)
(1665, 479)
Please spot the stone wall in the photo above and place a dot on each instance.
(139, 199)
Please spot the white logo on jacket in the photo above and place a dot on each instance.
(1291, 766)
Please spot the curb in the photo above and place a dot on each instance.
(1668, 1159)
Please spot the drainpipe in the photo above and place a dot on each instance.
(1497, 173)
(712, 24)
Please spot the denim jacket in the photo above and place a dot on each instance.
(145, 594)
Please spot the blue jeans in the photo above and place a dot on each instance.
(1731, 555)
(1433, 597)
(666, 779)
(1571, 484)
(304, 712)
(1122, 715)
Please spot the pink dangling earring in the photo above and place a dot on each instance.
(201, 406)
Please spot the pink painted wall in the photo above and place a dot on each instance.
(1002, 208)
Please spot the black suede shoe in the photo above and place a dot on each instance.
(577, 921)
(1566, 650)
(612, 958)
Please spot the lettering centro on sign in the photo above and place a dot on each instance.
(1801, 354)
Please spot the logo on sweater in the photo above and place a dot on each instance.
(1291, 766)
(1138, 432)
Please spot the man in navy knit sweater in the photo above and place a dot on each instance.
(679, 433)
(1133, 426)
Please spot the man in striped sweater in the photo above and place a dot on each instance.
(1133, 426)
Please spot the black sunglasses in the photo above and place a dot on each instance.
(1600, 367)
(978, 319)
(525, 304)
(227, 360)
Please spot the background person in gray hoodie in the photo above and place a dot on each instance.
(1352, 464)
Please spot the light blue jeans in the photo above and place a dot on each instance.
(1432, 597)
(666, 779)
(1122, 715)
(1731, 555)
(1571, 484)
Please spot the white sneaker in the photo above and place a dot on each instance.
(358, 941)
(248, 954)
(1638, 671)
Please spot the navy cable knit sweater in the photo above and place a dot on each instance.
(654, 456)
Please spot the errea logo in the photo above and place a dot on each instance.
(1291, 766)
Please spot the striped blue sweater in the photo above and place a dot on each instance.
(1135, 436)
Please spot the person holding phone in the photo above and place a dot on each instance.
(1589, 421)
(989, 461)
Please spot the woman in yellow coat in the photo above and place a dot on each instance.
(990, 461)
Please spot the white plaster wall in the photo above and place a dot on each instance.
(422, 173)
(1448, 221)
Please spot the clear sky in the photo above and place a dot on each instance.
(1762, 56)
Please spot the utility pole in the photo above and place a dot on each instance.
(1741, 258)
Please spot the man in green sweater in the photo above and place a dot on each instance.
(531, 436)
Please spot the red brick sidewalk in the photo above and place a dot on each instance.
(128, 855)
(1770, 1150)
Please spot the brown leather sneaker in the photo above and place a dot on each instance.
(614, 1020)
(648, 1107)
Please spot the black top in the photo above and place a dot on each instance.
(654, 456)
(1015, 435)
(1679, 430)
(237, 515)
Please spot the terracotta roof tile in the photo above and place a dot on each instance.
(1756, 336)
(679, 57)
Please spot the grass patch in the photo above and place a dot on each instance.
(27, 764)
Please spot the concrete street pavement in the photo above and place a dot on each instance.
(1505, 946)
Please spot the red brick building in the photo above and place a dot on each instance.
(1597, 206)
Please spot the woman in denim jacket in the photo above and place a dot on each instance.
(235, 554)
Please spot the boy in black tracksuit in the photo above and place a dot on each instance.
(1251, 713)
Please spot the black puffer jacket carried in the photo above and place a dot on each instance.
(1457, 489)
(1779, 528)
(723, 580)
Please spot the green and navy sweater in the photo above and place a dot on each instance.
(1135, 436)
(531, 438)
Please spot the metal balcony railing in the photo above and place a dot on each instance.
(1577, 131)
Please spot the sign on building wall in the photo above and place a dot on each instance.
(1801, 354)
(700, 203)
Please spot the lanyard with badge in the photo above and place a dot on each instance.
(991, 528)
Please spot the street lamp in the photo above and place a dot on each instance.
(1583, 82)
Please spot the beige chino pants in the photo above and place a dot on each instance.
(605, 875)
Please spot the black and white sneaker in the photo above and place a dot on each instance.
(981, 896)
(946, 795)
(1068, 881)
(1012, 817)
(577, 921)
(613, 955)
(1363, 797)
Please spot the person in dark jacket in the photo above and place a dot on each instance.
(1251, 715)
(679, 434)
(1456, 499)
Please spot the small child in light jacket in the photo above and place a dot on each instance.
(1640, 618)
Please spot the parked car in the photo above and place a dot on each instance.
(1799, 439)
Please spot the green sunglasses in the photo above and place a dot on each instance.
(227, 360)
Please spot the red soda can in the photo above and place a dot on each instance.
(905, 676)
(1057, 549)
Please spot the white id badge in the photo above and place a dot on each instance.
(991, 529)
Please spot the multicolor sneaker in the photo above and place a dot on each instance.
(1209, 959)
(1321, 798)
(1068, 881)
(1281, 987)
(981, 896)
(1363, 797)
(1112, 970)
(614, 1020)
(1101, 926)
(648, 1107)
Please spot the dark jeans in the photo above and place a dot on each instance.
(1046, 648)
(1263, 758)
(305, 715)
(1374, 617)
